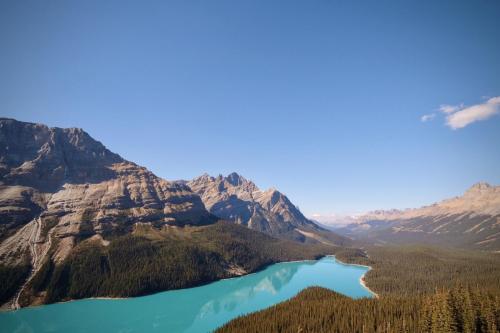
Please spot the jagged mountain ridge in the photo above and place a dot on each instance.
(70, 186)
(471, 220)
(80, 221)
(239, 200)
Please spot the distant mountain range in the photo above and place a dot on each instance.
(471, 220)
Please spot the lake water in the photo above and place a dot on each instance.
(200, 309)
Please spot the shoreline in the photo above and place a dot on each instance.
(361, 282)
(3, 310)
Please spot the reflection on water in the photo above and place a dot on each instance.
(198, 309)
(240, 292)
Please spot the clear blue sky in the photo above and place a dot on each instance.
(320, 99)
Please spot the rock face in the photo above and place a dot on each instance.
(237, 199)
(76, 188)
(471, 220)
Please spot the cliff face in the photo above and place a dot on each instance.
(46, 158)
(237, 199)
(73, 187)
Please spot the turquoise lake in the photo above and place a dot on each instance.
(200, 309)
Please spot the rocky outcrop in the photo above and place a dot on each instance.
(471, 220)
(44, 158)
(76, 188)
(237, 199)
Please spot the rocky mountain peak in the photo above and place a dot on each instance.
(202, 179)
(237, 199)
(273, 197)
(45, 158)
(235, 179)
(481, 187)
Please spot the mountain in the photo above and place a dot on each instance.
(77, 220)
(63, 180)
(471, 220)
(239, 200)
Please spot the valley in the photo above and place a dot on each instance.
(80, 222)
(253, 166)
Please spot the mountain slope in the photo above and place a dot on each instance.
(471, 220)
(77, 220)
(64, 180)
(237, 199)
(152, 259)
(59, 187)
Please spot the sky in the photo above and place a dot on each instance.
(344, 106)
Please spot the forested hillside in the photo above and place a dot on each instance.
(321, 310)
(155, 259)
(419, 270)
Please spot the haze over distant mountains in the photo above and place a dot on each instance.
(471, 220)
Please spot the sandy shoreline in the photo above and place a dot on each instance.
(363, 283)
(362, 278)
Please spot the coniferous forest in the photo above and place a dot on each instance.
(420, 290)
(153, 259)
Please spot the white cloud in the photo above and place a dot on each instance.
(463, 116)
(445, 108)
(427, 117)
